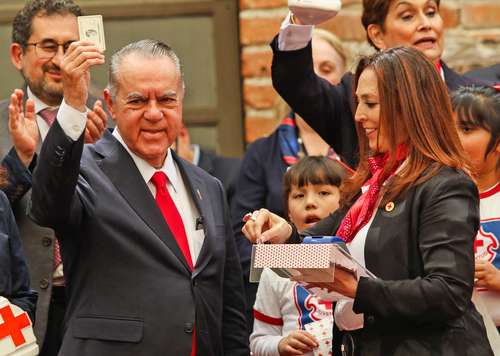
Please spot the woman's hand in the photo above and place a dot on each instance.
(487, 275)
(344, 282)
(297, 342)
(264, 226)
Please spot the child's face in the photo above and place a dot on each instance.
(311, 203)
(475, 142)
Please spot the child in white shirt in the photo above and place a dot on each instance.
(282, 307)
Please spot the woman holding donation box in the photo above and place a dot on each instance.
(409, 214)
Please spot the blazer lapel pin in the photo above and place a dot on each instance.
(199, 194)
(389, 206)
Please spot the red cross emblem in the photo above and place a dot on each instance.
(12, 325)
(485, 245)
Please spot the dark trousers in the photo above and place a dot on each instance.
(55, 324)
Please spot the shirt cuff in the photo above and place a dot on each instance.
(72, 121)
(292, 36)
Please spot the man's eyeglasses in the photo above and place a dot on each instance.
(48, 49)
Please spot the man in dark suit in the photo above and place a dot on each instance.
(150, 262)
(41, 32)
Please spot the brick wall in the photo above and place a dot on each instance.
(472, 40)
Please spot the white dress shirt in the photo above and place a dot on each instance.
(292, 37)
(73, 123)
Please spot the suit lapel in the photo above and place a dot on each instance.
(196, 186)
(121, 170)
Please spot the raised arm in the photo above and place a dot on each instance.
(325, 107)
(54, 198)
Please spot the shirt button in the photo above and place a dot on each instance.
(188, 328)
(46, 241)
(44, 283)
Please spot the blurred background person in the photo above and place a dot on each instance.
(477, 112)
(282, 307)
(259, 183)
(409, 214)
(223, 168)
(328, 108)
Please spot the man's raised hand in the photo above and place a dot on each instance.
(23, 128)
(75, 68)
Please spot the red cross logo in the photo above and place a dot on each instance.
(328, 304)
(12, 325)
(478, 243)
(485, 245)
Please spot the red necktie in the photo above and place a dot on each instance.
(49, 116)
(171, 214)
(174, 221)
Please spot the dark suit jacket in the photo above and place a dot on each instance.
(327, 108)
(37, 241)
(423, 256)
(130, 290)
(490, 75)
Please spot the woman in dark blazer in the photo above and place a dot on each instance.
(328, 108)
(409, 214)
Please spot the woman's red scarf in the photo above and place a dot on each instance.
(362, 210)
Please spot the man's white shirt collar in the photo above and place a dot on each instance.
(146, 170)
(39, 105)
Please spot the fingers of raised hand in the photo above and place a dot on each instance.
(80, 56)
(30, 109)
(92, 132)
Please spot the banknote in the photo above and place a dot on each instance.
(91, 28)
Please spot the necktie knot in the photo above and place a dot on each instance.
(159, 180)
(48, 115)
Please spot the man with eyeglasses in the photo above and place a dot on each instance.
(41, 33)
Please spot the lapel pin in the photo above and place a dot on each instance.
(199, 194)
(389, 206)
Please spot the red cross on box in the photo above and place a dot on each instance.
(12, 325)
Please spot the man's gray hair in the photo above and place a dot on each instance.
(147, 48)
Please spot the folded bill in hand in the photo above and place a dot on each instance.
(91, 28)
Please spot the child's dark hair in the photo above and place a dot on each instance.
(478, 106)
(312, 170)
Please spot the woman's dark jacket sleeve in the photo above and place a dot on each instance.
(325, 107)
